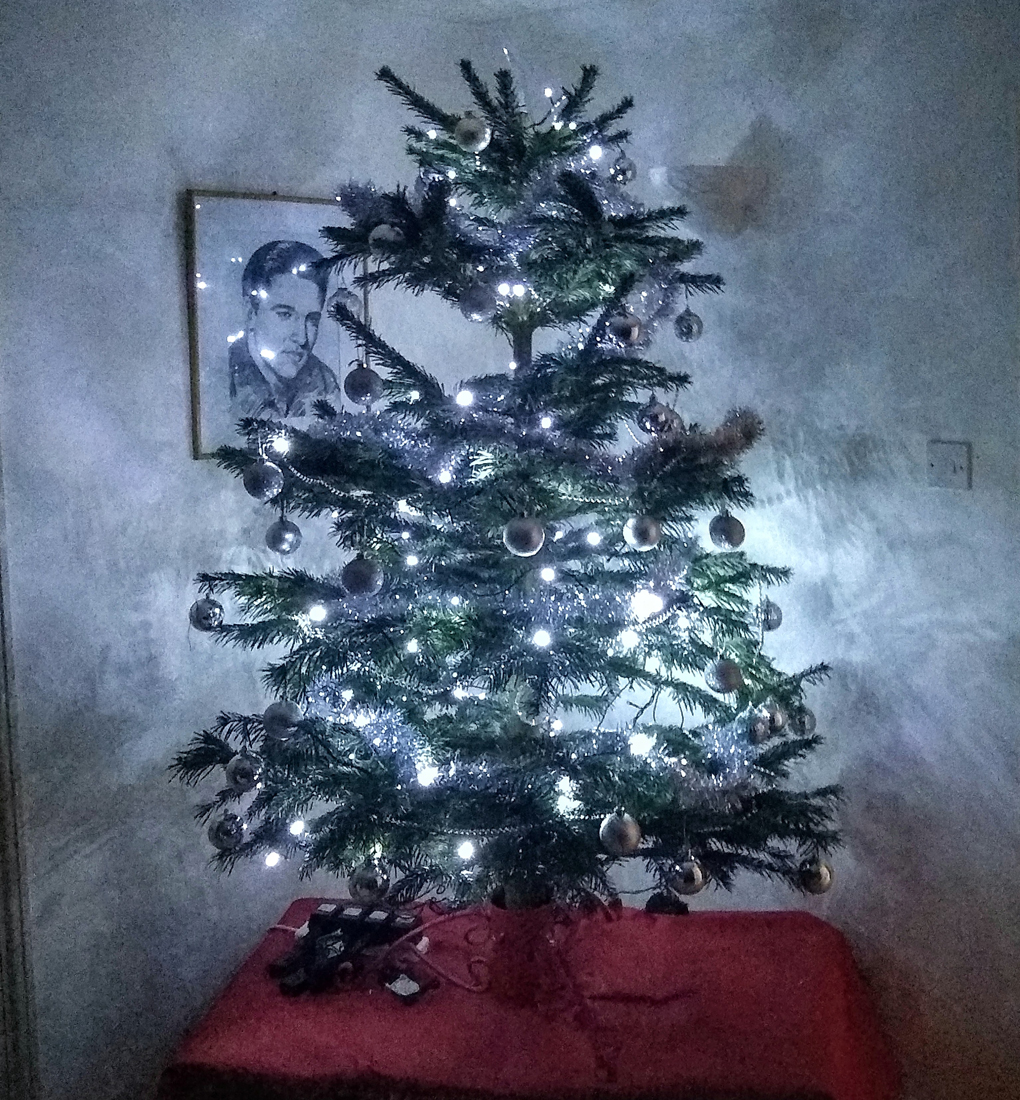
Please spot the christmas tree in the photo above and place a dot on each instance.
(525, 668)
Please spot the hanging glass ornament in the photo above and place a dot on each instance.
(658, 419)
(226, 832)
(623, 170)
(805, 722)
(363, 386)
(759, 727)
(726, 531)
(777, 717)
(816, 876)
(688, 878)
(620, 833)
(724, 676)
(642, 533)
(524, 537)
(281, 720)
(206, 614)
(688, 326)
(283, 537)
(362, 577)
(478, 302)
(369, 884)
(351, 300)
(472, 134)
(771, 615)
(263, 479)
(625, 328)
(242, 773)
(384, 240)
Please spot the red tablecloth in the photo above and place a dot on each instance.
(712, 1006)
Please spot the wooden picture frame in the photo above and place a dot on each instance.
(259, 339)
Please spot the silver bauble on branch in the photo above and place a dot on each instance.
(226, 832)
(805, 722)
(281, 720)
(658, 419)
(472, 134)
(623, 170)
(726, 531)
(362, 577)
(524, 537)
(363, 386)
(242, 773)
(625, 328)
(777, 717)
(620, 833)
(642, 533)
(688, 878)
(688, 326)
(283, 537)
(478, 302)
(816, 876)
(384, 240)
(206, 614)
(771, 615)
(724, 676)
(369, 884)
(348, 298)
(263, 479)
(759, 726)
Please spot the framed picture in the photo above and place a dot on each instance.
(260, 340)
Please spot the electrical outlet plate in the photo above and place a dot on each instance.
(949, 464)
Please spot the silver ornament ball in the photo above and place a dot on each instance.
(362, 577)
(363, 386)
(724, 676)
(472, 134)
(349, 299)
(777, 717)
(806, 722)
(280, 720)
(384, 240)
(626, 328)
(206, 614)
(620, 834)
(759, 727)
(623, 170)
(242, 773)
(771, 615)
(642, 533)
(263, 479)
(658, 419)
(816, 876)
(226, 832)
(726, 531)
(369, 884)
(688, 878)
(283, 537)
(688, 326)
(478, 302)
(524, 537)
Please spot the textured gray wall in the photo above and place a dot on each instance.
(870, 251)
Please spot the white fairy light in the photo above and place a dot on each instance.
(281, 444)
(347, 695)
(629, 639)
(432, 134)
(595, 152)
(548, 93)
(267, 353)
(411, 560)
(518, 290)
(459, 693)
(644, 604)
(641, 744)
(548, 573)
(546, 422)
(455, 601)
(465, 398)
(452, 200)
(542, 639)
(451, 173)
(445, 477)
(317, 613)
(557, 536)
(594, 538)
(412, 646)
(466, 850)
(512, 365)
(503, 288)
(405, 535)
(557, 725)
(403, 506)
(427, 774)
(414, 395)
(571, 125)
(272, 859)
(297, 827)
